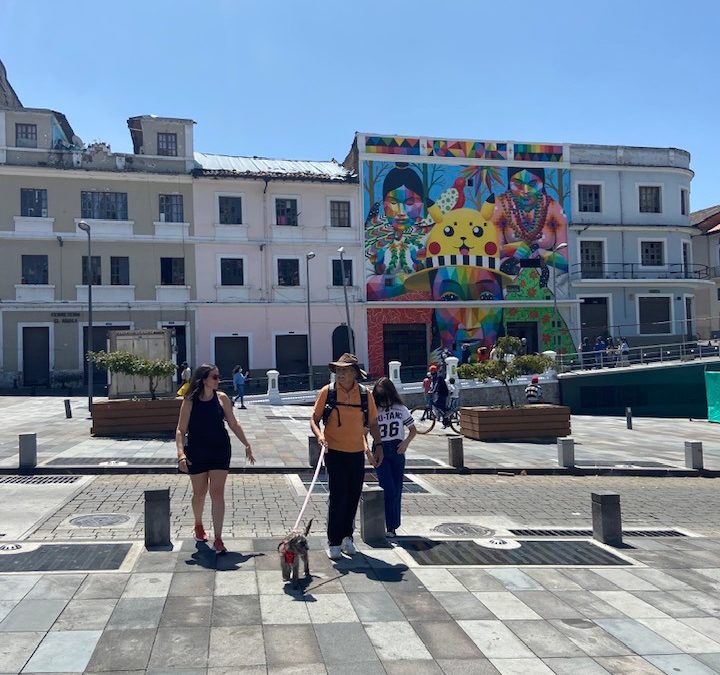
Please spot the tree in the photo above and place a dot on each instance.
(132, 364)
(508, 365)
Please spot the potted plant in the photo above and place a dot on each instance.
(512, 421)
(123, 416)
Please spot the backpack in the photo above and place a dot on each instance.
(332, 404)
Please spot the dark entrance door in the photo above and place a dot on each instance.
(407, 343)
(524, 329)
(291, 361)
(340, 342)
(36, 355)
(100, 342)
(181, 349)
(593, 318)
(230, 351)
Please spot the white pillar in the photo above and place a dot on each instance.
(394, 370)
(273, 392)
(451, 364)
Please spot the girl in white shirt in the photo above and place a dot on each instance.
(393, 419)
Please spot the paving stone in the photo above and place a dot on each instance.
(186, 612)
(17, 648)
(136, 613)
(236, 583)
(156, 561)
(331, 608)
(413, 667)
(521, 666)
(56, 586)
(504, 605)
(344, 643)
(399, 580)
(477, 580)
(681, 635)
(300, 669)
(637, 637)
(180, 648)
(573, 666)
(630, 605)
(284, 609)
(547, 605)
(32, 615)
(422, 606)
(122, 649)
(463, 606)
(628, 665)
(669, 604)
(291, 645)
(240, 670)
(17, 586)
(148, 585)
(712, 660)
(101, 586)
(544, 639)
(446, 640)
(439, 580)
(184, 583)
(467, 667)
(375, 606)
(709, 626)
(236, 646)
(6, 606)
(703, 601)
(396, 640)
(589, 605)
(359, 668)
(515, 580)
(661, 580)
(590, 637)
(64, 651)
(590, 581)
(680, 663)
(364, 581)
(553, 580)
(495, 640)
(85, 615)
(234, 610)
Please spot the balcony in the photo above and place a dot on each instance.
(109, 228)
(35, 292)
(172, 293)
(33, 225)
(106, 293)
(635, 271)
(171, 230)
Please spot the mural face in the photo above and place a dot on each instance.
(460, 233)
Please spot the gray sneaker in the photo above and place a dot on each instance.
(347, 546)
(334, 552)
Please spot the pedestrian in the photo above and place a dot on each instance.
(585, 351)
(523, 347)
(206, 457)
(495, 353)
(465, 353)
(426, 384)
(482, 354)
(239, 379)
(533, 392)
(393, 419)
(185, 375)
(624, 352)
(346, 409)
(599, 350)
(439, 391)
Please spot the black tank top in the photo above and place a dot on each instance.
(207, 423)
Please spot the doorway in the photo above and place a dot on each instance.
(594, 318)
(291, 355)
(180, 338)
(36, 355)
(230, 351)
(524, 329)
(340, 342)
(407, 343)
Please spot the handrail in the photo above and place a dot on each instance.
(637, 271)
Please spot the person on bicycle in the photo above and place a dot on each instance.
(439, 391)
(453, 395)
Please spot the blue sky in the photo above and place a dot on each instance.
(297, 79)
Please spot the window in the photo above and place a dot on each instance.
(339, 214)
(104, 205)
(231, 272)
(34, 269)
(589, 198)
(649, 199)
(172, 271)
(26, 135)
(337, 272)
(654, 315)
(288, 272)
(684, 202)
(230, 210)
(33, 203)
(652, 253)
(167, 144)
(286, 212)
(119, 271)
(95, 264)
(171, 209)
(591, 259)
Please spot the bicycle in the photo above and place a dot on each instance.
(425, 417)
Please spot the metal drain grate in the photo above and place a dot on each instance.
(65, 558)
(561, 532)
(468, 553)
(38, 480)
(630, 464)
(98, 461)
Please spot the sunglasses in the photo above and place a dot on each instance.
(214, 377)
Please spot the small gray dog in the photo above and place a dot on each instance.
(291, 549)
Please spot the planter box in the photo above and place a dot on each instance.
(541, 420)
(122, 417)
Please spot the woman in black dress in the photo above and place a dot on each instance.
(206, 457)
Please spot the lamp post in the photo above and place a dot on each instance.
(86, 228)
(308, 258)
(555, 249)
(351, 341)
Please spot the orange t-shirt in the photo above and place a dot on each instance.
(349, 436)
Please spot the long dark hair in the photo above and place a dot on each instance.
(385, 394)
(196, 381)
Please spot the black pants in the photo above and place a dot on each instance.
(346, 473)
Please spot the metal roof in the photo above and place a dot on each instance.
(263, 167)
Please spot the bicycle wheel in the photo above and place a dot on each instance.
(454, 420)
(423, 418)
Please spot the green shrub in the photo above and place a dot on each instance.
(132, 364)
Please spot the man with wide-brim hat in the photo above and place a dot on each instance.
(340, 408)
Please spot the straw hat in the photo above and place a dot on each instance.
(348, 361)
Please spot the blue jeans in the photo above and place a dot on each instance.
(390, 474)
(240, 391)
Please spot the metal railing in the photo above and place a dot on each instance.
(581, 271)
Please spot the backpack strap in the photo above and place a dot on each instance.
(364, 404)
(332, 404)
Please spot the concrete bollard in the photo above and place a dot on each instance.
(628, 417)
(693, 455)
(606, 518)
(27, 444)
(273, 390)
(372, 515)
(157, 519)
(456, 454)
(394, 371)
(313, 450)
(566, 452)
(68, 409)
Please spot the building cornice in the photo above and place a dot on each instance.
(81, 174)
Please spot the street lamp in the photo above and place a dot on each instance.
(351, 341)
(86, 228)
(308, 258)
(555, 249)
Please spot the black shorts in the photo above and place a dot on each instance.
(205, 459)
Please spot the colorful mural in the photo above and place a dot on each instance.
(449, 232)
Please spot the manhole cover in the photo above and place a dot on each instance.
(38, 480)
(99, 520)
(463, 530)
(552, 553)
(66, 558)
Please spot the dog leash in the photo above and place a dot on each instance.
(310, 489)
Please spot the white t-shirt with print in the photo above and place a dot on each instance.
(392, 422)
